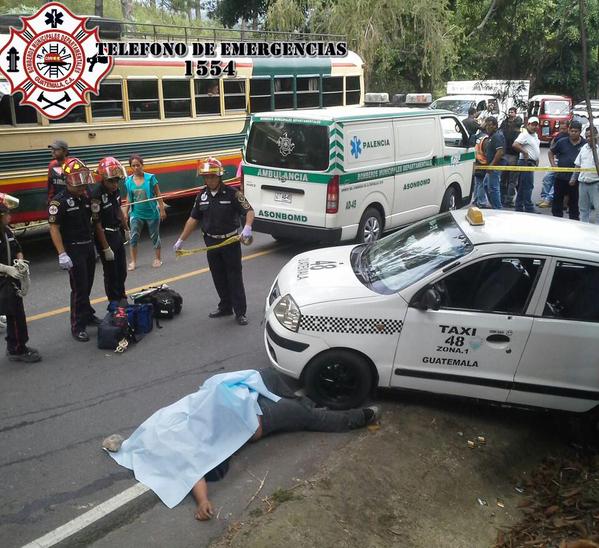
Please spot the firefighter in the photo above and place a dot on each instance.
(110, 227)
(69, 215)
(217, 209)
(60, 154)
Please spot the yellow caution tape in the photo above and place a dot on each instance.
(228, 241)
(536, 168)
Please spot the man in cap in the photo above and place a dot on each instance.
(60, 154)
(217, 210)
(14, 276)
(69, 215)
(527, 144)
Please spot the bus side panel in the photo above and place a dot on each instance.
(369, 163)
(419, 183)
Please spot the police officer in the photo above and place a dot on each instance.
(60, 154)
(69, 215)
(110, 227)
(217, 209)
(12, 289)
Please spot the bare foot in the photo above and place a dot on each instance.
(131, 266)
(156, 263)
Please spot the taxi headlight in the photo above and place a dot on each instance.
(288, 313)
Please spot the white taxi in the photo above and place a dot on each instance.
(502, 308)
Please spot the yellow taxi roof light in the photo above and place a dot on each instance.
(475, 216)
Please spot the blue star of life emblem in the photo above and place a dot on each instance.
(356, 147)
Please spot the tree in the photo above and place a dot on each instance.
(229, 12)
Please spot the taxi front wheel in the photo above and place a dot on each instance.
(338, 379)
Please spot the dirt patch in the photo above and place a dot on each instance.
(415, 482)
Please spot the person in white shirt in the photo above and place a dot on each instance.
(529, 148)
(588, 181)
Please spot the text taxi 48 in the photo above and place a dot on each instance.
(502, 308)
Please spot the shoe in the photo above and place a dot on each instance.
(94, 320)
(30, 355)
(220, 313)
(82, 336)
(372, 414)
(544, 204)
(242, 319)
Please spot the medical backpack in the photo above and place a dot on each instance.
(166, 302)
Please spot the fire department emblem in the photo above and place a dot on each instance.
(53, 61)
(286, 145)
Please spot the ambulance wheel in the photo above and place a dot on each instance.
(370, 228)
(451, 200)
(338, 379)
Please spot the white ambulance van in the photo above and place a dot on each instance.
(348, 173)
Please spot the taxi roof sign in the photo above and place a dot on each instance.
(475, 216)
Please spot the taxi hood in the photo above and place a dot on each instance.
(322, 275)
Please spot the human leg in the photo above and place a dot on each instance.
(573, 211)
(236, 291)
(218, 270)
(154, 230)
(547, 188)
(559, 191)
(16, 329)
(276, 383)
(594, 195)
(479, 198)
(584, 202)
(491, 186)
(526, 186)
(79, 278)
(135, 226)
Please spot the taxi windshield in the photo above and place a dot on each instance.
(399, 260)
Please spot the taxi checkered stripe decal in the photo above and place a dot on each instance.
(359, 326)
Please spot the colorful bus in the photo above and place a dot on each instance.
(149, 107)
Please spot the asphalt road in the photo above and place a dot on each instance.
(55, 414)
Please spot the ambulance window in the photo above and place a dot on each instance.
(109, 102)
(287, 145)
(352, 90)
(453, 133)
(177, 98)
(260, 95)
(234, 94)
(573, 293)
(143, 99)
(501, 285)
(207, 96)
(307, 92)
(332, 91)
(283, 93)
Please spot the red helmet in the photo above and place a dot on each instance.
(77, 173)
(210, 166)
(111, 168)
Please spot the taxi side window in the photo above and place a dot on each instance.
(574, 292)
(501, 285)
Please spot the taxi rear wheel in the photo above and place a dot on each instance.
(338, 379)
(370, 228)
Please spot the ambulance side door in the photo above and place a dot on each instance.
(457, 163)
(472, 344)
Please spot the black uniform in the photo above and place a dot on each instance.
(218, 216)
(73, 215)
(11, 305)
(106, 207)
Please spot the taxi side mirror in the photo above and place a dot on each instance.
(430, 299)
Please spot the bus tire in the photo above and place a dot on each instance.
(452, 200)
(338, 379)
(370, 228)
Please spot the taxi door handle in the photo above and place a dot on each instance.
(496, 338)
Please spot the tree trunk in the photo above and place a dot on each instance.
(127, 9)
(198, 11)
(99, 8)
(244, 27)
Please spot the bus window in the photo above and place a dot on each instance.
(109, 102)
(21, 115)
(352, 90)
(177, 98)
(77, 115)
(332, 91)
(307, 92)
(207, 96)
(143, 99)
(260, 95)
(283, 93)
(234, 94)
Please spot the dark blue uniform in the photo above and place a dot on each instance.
(106, 209)
(73, 215)
(218, 217)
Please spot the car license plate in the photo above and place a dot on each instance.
(283, 197)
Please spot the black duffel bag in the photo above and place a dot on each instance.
(167, 303)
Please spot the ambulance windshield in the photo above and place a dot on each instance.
(399, 260)
(288, 145)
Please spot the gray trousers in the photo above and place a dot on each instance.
(292, 413)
